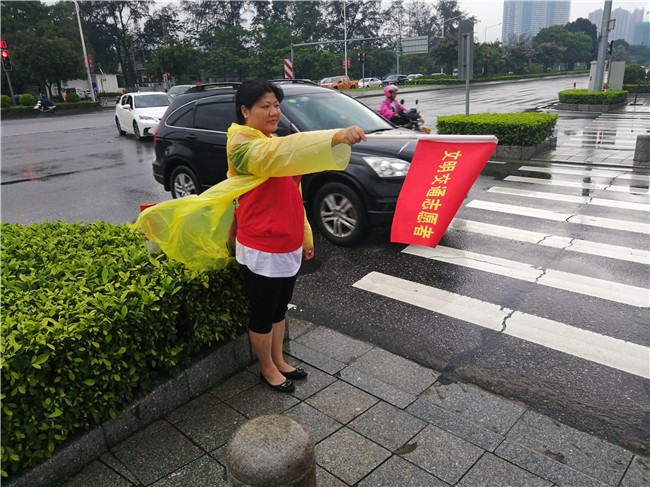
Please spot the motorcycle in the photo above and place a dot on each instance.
(416, 122)
(44, 107)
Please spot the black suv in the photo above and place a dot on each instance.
(190, 145)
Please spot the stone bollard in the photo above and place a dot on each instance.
(642, 149)
(271, 451)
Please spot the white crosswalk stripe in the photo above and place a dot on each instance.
(601, 349)
(600, 132)
(571, 338)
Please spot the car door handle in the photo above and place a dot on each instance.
(190, 137)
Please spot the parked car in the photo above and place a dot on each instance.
(174, 91)
(83, 94)
(190, 148)
(394, 79)
(339, 83)
(138, 113)
(411, 77)
(369, 82)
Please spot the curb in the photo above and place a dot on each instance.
(205, 372)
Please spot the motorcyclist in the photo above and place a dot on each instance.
(393, 110)
(46, 102)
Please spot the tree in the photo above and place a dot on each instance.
(116, 23)
(519, 57)
(489, 58)
(445, 53)
(44, 43)
(180, 58)
(205, 17)
(586, 27)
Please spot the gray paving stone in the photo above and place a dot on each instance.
(376, 387)
(326, 479)
(260, 400)
(341, 401)
(111, 461)
(335, 345)
(474, 404)
(491, 470)
(315, 381)
(583, 452)
(442, 454)
(387, 425)
(296, 327)
(207, 421)
(235, 384)
(467, 430)
(397, 371)
(316, 359)
(545, 467)
(398, 472)
(98, 475)
(638, 473)
(319, 424)
(156, 451)
(349, 456)
(202, 472)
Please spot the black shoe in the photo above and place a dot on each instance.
(286, 386)
(297, 374)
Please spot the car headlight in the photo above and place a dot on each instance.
(146, 118)
(388, 167)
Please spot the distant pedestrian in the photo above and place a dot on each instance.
(64, 95)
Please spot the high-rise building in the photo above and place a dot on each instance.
(625, 25)
(523, 19)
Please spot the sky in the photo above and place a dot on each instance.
(490, 12)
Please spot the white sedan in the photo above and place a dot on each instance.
(369, 82)
(138, 113)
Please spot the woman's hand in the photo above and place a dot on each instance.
(308, 254)
(349, 136)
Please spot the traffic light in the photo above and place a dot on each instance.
(363, 57)
(6, 62)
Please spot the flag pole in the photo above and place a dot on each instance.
(436, 137)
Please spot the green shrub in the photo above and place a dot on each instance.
(584, 97)
(5, 101)
(27, 100)
(525, 129)
(637, 87)
(634, 74)
(89, 320)
(72, 98)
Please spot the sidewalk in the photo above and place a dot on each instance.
(377, 420)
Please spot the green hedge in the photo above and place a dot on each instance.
(18, 111)
(519, 129)
(89, 321)
(584, 97)
(637, 87)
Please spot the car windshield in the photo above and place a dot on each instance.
(320, 111)
(148, 101)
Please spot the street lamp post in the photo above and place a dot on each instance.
(485, 31)
(447, 20)
(345, 38)
(83, 45)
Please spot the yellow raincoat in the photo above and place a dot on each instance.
(194, 229)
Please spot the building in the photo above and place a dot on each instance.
(523, 19)
(626, 23)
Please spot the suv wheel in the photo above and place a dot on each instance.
(119, 127)
(136, 131)
(183, 182)
(340, 215)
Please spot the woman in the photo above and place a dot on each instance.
(393, 110)
(272, 233)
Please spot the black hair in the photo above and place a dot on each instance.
(249, 92)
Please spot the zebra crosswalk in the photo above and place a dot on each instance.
(599, 230)
(615, 131)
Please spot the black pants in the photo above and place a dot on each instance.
(269, 298)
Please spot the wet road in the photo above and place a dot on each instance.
(74, 168)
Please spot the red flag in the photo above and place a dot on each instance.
(442, 172)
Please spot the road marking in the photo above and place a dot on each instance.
(600, 173)
(612, 352)
(565, 243)
(593, 221)
(626, 205)
(572, 184)
(590, 286)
